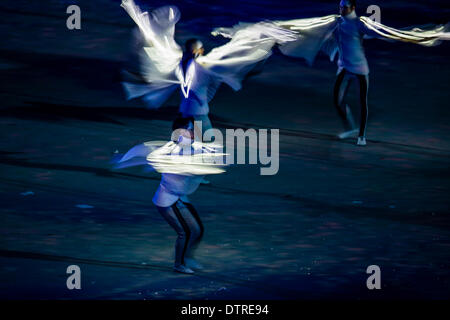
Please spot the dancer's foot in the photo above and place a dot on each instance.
(348, 134)
(361, 141)
(193, 264)
(183, 269)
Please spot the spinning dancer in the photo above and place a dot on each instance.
(165, 67)
(183, 163)
(344, 34)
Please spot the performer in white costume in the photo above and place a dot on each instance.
(182, 163)
(165, 67)
(343, 34)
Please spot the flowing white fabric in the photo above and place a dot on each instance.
(316, 34)
(160, 56)
(428, 36)
(158, 29)
(313, 35)
(249, 44)
(160, 66)
(175, 158)
(196, 159)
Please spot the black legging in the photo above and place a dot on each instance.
(341, 86)
(184, 219)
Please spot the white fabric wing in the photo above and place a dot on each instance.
(162, 52)
(196, 159)
(137, 155)
(160, 56)
(249, 44)
(169, 157)
(314, 35)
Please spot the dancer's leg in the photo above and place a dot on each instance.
(181, 220)
(169, 214)
(198, 236)
(340, 91)
(195, 229)
(363, 90)
(189, 219)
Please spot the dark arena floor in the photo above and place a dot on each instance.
(308, 232)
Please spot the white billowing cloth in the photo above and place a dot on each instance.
(175, 158)
(321, 34)
(161, 69)
(182, 166)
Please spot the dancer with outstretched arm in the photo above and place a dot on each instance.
(343, 35)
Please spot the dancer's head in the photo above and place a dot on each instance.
(194, 47)
(346, 7)
(183, 129)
